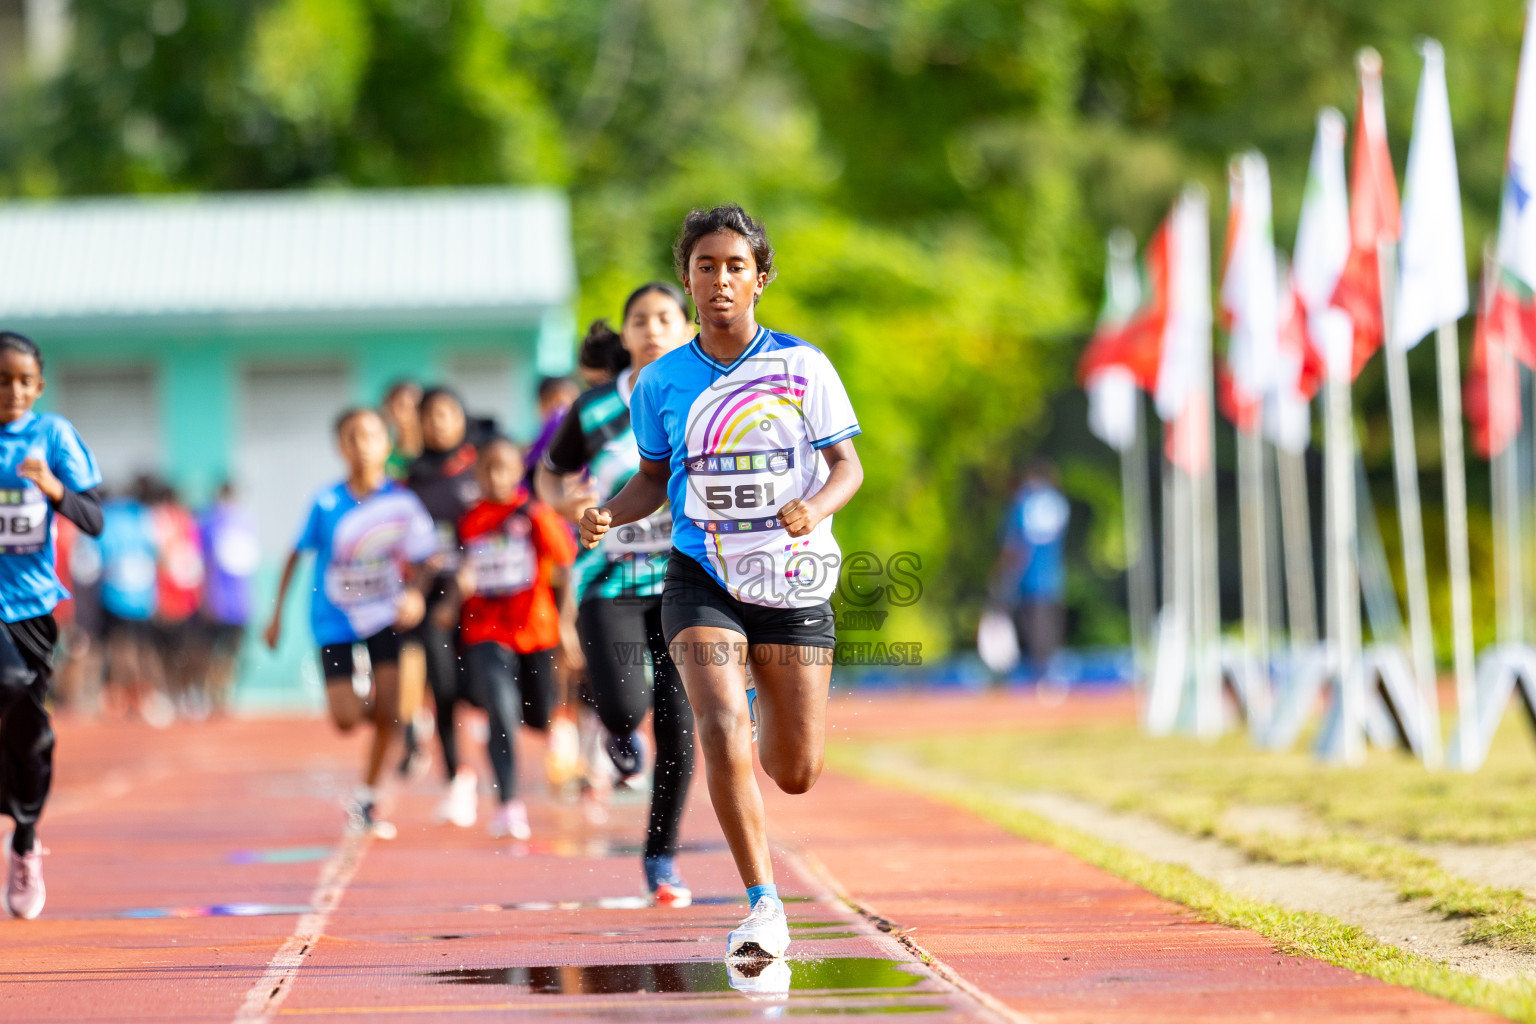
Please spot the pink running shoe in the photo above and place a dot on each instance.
(511, 819)
(24, 890)
(672, 894)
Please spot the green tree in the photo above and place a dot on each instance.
(937, 174)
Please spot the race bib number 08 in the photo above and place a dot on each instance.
(740, 491)
(23, 521)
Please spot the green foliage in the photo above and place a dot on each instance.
(307, 59)
(938, 174)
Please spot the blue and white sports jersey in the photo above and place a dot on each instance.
(361, 550)
(742, 442)
(28, 585)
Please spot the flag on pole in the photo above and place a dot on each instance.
(1492, 391)
(1183, 392)
(1186, 348)
(1299, 373)
(1249, 305)
(1517, 214)
(1322, 246)
(1432, 289)
(1134, 341)
(1112, 405)
(1165, 344)
(1373, 216)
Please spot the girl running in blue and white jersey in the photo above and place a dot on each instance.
(371, 539)
(748, 433)
(45, 469)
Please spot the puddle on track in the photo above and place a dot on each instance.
(615, 903)
(281, 855)
(836, 974)
(595, 848)
(216, 910)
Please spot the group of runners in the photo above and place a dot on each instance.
(160, 602)
(667, 539)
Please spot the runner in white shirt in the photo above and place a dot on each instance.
(749, 433)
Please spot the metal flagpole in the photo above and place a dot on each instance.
(1137, 515)
(1421, 637)
(1274, 546)
(1510, 529)
(1457, 556)
(1343, 585)
(1208, 706)
(1208, 702)
(1250, 489)
(1504, 472)
(1296, 524)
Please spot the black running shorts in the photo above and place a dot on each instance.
(692, 597)
(336, 659)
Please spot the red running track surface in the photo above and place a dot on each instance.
(203, 873)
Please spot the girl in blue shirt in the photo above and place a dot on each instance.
(748, 433)
(45, 469)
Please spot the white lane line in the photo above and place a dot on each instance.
(267, 994)
(887, 934)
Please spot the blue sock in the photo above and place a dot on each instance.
(662, 868)
(757, 892)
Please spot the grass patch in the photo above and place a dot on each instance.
(1297, 933)
(1190, 785)
(1366, 812)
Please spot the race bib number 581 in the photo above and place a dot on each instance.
(739, 491)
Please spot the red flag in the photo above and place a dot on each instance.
(1492, 391)
(1373, 215)
(1136, 344)
(1188, 443)
(1296, 342)
(1242, 410)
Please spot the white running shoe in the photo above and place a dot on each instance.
(762, 933)
(461, 807)
(759, 979)
(511, 819)
(362, 817)
(24, 890)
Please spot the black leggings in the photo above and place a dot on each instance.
(616, 633)
(26, 733)
(511, 687)
(446, 677)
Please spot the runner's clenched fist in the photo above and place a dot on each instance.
(594, 523)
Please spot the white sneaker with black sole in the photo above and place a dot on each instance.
(764, 933)
(759, 979)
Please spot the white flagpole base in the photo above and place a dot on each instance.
(1503, 671)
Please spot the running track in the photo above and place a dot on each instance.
(201, 874)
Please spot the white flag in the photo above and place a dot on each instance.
(1187, 334)
(1112, 403)
(1248, 285)
(1517, 216)
(1432, 288)
(1288, 411)
(1322, 245)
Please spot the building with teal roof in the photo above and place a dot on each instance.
(207, 338)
